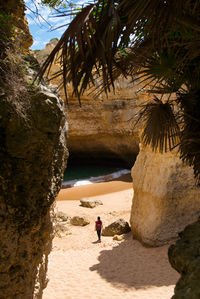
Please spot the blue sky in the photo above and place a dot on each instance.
(41, 25)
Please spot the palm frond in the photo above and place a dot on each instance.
(161, 130)
(89, 42)
(155, 40)
(190, 134)
(118, 37)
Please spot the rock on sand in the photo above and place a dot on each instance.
(118, 227)
(79, 221)
(89, 203)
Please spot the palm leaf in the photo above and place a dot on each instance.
(86, 44)
(98, 34)
(190, 134)
(161, 130)
(157, 40)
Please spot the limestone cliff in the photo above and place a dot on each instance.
(165, 197)
(102, 127)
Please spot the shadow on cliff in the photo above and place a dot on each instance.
(130, 265)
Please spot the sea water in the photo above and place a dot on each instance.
(77, 174)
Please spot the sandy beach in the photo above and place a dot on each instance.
(79, 267)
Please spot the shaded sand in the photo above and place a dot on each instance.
(79, 267)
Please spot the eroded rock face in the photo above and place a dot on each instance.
(33, 157)
(184, 257)
(16, 9)
(165, 197)
(103, 127)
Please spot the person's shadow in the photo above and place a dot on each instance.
(96, 242)
(131, 265)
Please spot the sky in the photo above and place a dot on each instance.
(42, 22)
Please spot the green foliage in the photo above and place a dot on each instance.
(4, 19)
(58, 3)
(7, 29)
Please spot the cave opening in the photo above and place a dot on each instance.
(95, 167)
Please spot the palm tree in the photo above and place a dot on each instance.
(154, 41)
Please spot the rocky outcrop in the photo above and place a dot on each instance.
(106, 128)
(60, 223)
(62, 230)
(15, 12)
(102, 127)
(118, 227)
(33, 157)
(62, 217)
(184, 256)
(165, 197)
(79, 221)
(89, 203)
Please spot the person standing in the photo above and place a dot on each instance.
(98, 227)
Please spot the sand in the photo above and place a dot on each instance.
(79, 267)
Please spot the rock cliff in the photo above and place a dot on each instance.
(184, 257)
(33, 157)
(101, 127)
(165, 197)
(16, 10)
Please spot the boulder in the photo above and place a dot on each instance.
(184, 257)
(62, 217)
(89, 203)
(61, 230)
(79, 221)
(117, 238)
(118, 227)
(166, 198)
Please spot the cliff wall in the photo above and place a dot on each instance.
(33, 157)
(16, 10)
(166, 198)
(104, 129)
(101, 127)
